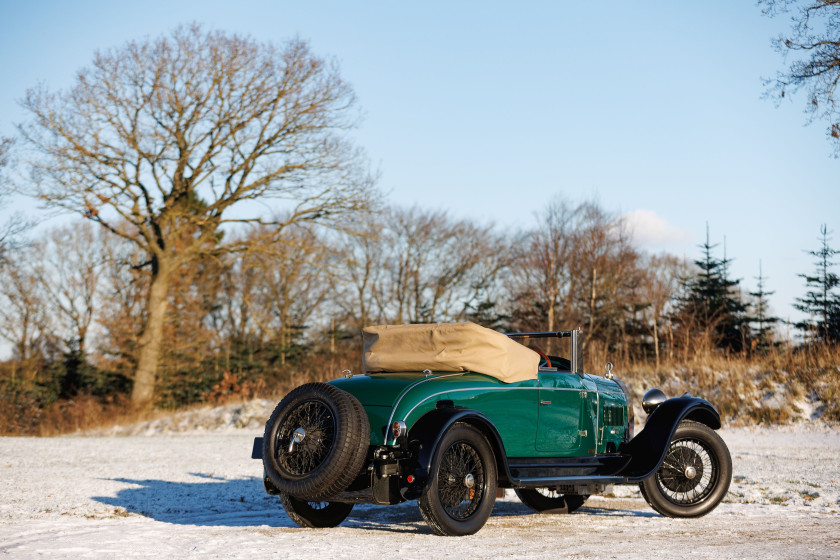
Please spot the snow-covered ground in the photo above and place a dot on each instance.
(198, 493)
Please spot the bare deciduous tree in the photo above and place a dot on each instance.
(541, 279)
(361, 266)
(24, 319)
(660, 285)
(813, 50)
(435, 266)
(289, 283)
(577, 267)
(189, 333)
(14, 223)
(169, 139)
(122, 309)
(68, 266)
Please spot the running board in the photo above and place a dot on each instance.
(571, 468)
(568, 481)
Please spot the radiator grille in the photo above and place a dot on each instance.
(613, 416)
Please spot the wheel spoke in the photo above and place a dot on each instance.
(459, 462)
(688, 473)
(300, 457)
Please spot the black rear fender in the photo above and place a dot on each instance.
(647, 449)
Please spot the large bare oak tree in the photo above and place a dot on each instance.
(163, 141)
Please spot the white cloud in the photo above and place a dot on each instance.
(651, 231)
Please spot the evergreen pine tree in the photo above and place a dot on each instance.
(821, 303)
(762, 334)
(709, 306)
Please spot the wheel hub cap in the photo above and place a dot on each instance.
(469, 481)
(298, 436)
(690, 472)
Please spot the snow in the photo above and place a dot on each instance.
(225, 418)
(179, 491)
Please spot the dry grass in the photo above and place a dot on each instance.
(79, 414)
(770, 388)
(747, 390)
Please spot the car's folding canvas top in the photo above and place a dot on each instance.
(447, 347)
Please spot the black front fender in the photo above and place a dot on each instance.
(647, 449)
(425, 435)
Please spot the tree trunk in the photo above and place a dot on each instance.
(656, 340)
(149, 347)
(670, 341)
(552, 305)
(592, 296)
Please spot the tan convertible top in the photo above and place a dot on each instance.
(447, 347)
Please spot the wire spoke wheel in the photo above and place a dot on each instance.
(461, 480)
(462, 491)
(305, 438)
(694, 475)
(689, 472)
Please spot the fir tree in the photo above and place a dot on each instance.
(762, 334)
(821, 303)
(708, 307)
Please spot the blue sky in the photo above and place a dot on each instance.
(489, 109)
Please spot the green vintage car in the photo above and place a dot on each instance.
(450, 414)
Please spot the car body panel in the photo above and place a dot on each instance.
(511, 406)
(560, 414)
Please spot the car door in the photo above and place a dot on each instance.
(565, 420)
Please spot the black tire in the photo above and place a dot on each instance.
(546, 500)
(460, 494)
(315, 515)
(695, 475)
(332, 441)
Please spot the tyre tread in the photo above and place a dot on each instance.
(429, 504)
(344, 461)
(315, 520)
(652, 495)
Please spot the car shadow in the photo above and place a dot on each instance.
(208, 501)
(615, 512)
(241, 502)
(514, 508)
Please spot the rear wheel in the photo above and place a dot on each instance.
(315, 514)
(547, 500)
(694, 476)
(460, 495)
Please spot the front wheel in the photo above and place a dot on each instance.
(460, 495)
(315, 515)
(548, 500)
(694, 476)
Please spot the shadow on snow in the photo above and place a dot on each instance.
(241, 502)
